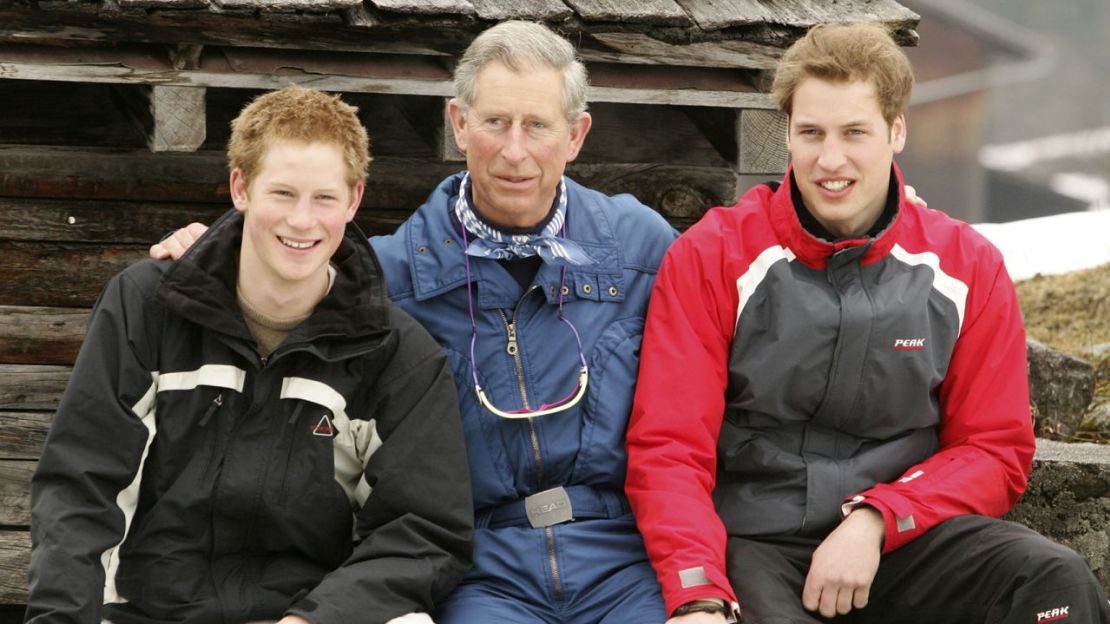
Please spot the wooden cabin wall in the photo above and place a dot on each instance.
(82, 197)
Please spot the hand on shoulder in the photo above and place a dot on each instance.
(175, 245)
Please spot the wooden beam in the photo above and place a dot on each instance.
(362, 73)
(762, 142)
(200, 177)
(427, 7)
(41, 335)
(30, 272)
(427, 117)
(536, 10)
(682, 194)
(15, 492)
(98, 221)
(642, 48)
(32, 387)
(15, 558)
(448, 148)
(107, 174)
(171, 118)
(660, 12)
(753, 141)
(314, 6)
(22, 434)
(720, 14)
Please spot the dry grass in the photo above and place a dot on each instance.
(1072, 313)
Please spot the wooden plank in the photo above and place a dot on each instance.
(425, 7)
(94, 221)
(654, 84)
(171, 118)
(365, 73)
(250, 69)
(312, 6)
(30, 272)
(41, 335)
(428, 119)
(662, 12)
(32, 387)
(102, 173)
(179, 116)
(680, 193)
(225, 27)
(642, 48)
(201, 177)
(536, 10)
(15, 558)
(165, 4)
(22, 434)
(720, 14)
(762, 142)
(15, 492)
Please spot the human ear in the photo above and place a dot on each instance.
(578, 131)
(458, 122)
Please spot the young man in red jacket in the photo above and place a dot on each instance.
(832, 406)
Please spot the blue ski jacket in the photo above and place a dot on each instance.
(526, 357)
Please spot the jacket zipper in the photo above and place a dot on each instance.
(512, 347)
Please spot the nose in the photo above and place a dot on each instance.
(832, 155)
(514, 149)
(300, 216)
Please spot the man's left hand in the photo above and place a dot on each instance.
(844, 565)
(293, 619)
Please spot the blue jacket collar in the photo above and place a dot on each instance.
(434, 247)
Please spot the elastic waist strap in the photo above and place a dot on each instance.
(549, 507)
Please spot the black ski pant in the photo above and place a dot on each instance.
(970, 569)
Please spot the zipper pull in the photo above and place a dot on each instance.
(511, 346)
(216, 403)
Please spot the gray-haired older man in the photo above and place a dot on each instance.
(537, 288)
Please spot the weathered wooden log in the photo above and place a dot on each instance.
(40, 335)
(32, 387)
(15, 492)
(60, 274)
(396, 186)
(22, 434)
(98, 221)
(680, 193)
(171, 118)
(15, 558)
(200, 177)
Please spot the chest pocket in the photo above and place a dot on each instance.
(353, 441)
(614, 362)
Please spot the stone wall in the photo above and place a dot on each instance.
(1068, 499)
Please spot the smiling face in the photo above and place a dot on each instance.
(295, 211)
(842, 149)
(517, 142)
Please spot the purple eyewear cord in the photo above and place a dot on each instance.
(474, 322)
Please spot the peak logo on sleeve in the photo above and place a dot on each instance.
(1053, 615)
(909, 344)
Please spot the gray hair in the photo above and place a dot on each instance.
(521, 45)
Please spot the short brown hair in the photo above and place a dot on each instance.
(847, 53)
(296, 113)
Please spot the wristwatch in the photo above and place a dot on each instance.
(706, 605)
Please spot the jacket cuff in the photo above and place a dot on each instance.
(696, 583)
(901, 528)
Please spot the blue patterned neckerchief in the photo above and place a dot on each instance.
(550, 243)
